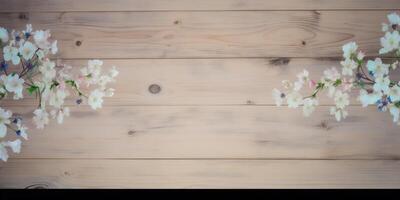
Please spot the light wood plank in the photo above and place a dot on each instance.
(206, 34)
(206, 81)
(214, 132)
(156, 5)
(200, 174)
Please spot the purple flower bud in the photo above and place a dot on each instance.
(78, 101)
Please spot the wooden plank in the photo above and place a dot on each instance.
(157, 5)
(49, 173)
(206, 34)
(214, 132)
(206, 81)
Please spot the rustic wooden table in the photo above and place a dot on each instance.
(193, 105)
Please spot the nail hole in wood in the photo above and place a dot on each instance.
(23, 16)
(154, 88)
(78, 43)
(176, 22)
(303, 43)
(131, 132)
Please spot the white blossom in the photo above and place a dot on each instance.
(3, 35)
(95, 99)
(331, 74)
(11, 54)
(309, 106)
(14, 145)
(377, 67)
(27, 50)
(338, 113)
(394, 111)
(341, 99)
(382, 84)
(368, 98)
(394, 19)
(394, 93)
(278, 96)
(4, 121)
(3, 152)
(47, 68)
(13, 83)
(390, 42)
(41, 39)
(60, 114)
(294, 99)
(41, 118)
(348, 66)
(349, 49)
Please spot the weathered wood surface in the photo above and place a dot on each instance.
(204, 5)
(206, 81)
(213, 123)
(263, 132)
(206, 34)
(70, 173)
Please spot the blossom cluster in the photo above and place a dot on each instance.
(26, 69)
(370, 78)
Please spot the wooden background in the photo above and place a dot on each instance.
(213, 123)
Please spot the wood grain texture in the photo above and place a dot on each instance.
(193, 105)
(206, 81)
(256, 132)
(47, 173)
(168, 5)
(206, 34)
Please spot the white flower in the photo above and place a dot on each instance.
(113, 72)
(60, 114)
(278, 96)
(294, 99)
(47, 68)
(3, 35)
(13, 83)
(394, 93)
(41, 118)
(309, 106)
(341, 99)
(367, 99)
(301, 79)
(332, 74)
(3, 152)
(27, 50)
(385, 27)
(360, 55)
(92, 71)
(339, 113)
(377, 67)
(348, 66)
(394, 111)
(287, 84)
(331, 89)
(22, 131)
(11, 53)
(390, 42)
(109, 92)
(382, 84)
(4, 121)
(14, 145)
(40, 54)
(349, 49)
(54, 48)
(28, 29)
(41, 39)
(56, 98)
(95, 99)
(394, 19)
(103, 80)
